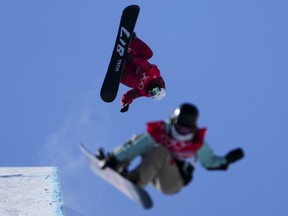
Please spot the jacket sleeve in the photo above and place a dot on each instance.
(210, 160)
(130, 95)
(139, 144)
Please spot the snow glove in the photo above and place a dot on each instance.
(231, 157)
(186, 170)
(125, 108)
(234, 155)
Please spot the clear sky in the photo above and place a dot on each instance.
(228, 57)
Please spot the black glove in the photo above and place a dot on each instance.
(231, 157)
(234, 155)
(125, 108)
(186, 170)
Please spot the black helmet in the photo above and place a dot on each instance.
(186, 115)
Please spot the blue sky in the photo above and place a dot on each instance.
(227, 57)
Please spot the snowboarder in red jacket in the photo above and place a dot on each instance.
(139, 74)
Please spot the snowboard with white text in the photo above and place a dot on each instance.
(113, 76)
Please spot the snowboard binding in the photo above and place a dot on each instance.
(108, 160)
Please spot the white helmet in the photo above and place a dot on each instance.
(157, 93)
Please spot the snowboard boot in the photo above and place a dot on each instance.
(100, 154)
(110, 161)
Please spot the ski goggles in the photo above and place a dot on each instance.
(183, 129)
(154, 91)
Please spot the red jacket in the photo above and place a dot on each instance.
(139, 73)
(180, 149)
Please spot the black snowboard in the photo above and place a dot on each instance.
(113, 76)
